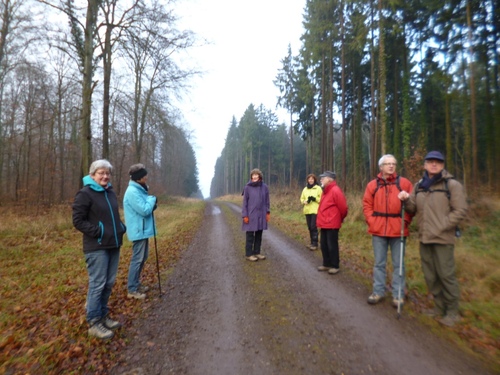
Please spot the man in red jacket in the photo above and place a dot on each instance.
(331, 213)
(382, 210)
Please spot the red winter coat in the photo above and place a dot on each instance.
(332, 208)
(382, 209)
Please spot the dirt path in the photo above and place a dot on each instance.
(223, 315)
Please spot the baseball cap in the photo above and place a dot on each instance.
(436, 155)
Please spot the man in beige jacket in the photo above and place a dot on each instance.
(440, 204)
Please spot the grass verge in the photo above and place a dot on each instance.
(44, 286)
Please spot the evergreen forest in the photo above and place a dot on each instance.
(373, 77)
(85, 80)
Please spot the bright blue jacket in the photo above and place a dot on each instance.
(138, 207)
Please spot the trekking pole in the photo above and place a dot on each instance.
(401, 256)
(156, 252)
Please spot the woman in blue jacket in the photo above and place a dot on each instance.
(95, 214)
(255, 213)
(138, 206)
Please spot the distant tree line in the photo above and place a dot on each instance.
(256, 141)
(401, 77)
(83, 80)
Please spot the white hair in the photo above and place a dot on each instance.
(382, 159)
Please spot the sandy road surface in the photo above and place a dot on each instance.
(221, 314)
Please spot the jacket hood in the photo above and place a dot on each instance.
(89, 181)
(389, 178)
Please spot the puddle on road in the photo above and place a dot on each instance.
(215, 210)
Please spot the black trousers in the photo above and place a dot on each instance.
(313, 229)
(330, 247)
(253, 242)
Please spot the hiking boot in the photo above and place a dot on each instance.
(260, 256)
(98, 330)
(374, 298)
(136, 295)
(110, 323)
(323, 268)
(252, 258)
(433, 312)
(397, 300)
(143, 288)
(450, 319)
(333, 271)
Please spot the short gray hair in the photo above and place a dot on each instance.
(100, 164)
(382, 159)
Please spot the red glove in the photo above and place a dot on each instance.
(268, 217)
(246, 220)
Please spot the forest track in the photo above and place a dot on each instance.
(221, 314)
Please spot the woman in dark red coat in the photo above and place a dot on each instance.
(255, 213)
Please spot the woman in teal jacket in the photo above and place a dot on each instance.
(310, 198)
(138, 206)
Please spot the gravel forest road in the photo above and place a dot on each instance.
(220, 314)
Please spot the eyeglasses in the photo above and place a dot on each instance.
(391, 164)
(103, 173)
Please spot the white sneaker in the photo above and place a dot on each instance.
(252, 258)
(260, 256)
(136, 295)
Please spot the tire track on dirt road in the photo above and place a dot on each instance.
(224, 315)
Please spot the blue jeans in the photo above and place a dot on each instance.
(380, 248)
(140, 253)
(102, 266)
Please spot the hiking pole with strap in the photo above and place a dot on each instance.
(401, 256)
(156, 252)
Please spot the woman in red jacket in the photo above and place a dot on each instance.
(331, 213)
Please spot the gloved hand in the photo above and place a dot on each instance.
(246, 220)
(268, 217)
(311, 199)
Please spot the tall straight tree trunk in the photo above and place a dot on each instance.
(106, 94)
(382, 80)
(324, 128)
(342, 83)
(373, 119)
(88, 69)
(475, 163)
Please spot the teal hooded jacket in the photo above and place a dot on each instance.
(139, 206)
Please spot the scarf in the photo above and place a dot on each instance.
(427, 182)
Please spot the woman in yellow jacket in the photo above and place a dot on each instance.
(310, 198)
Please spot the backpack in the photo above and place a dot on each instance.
(379, 184)
(458, 233)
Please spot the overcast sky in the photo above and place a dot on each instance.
(247, 41)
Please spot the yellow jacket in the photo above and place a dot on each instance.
(311, 207)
